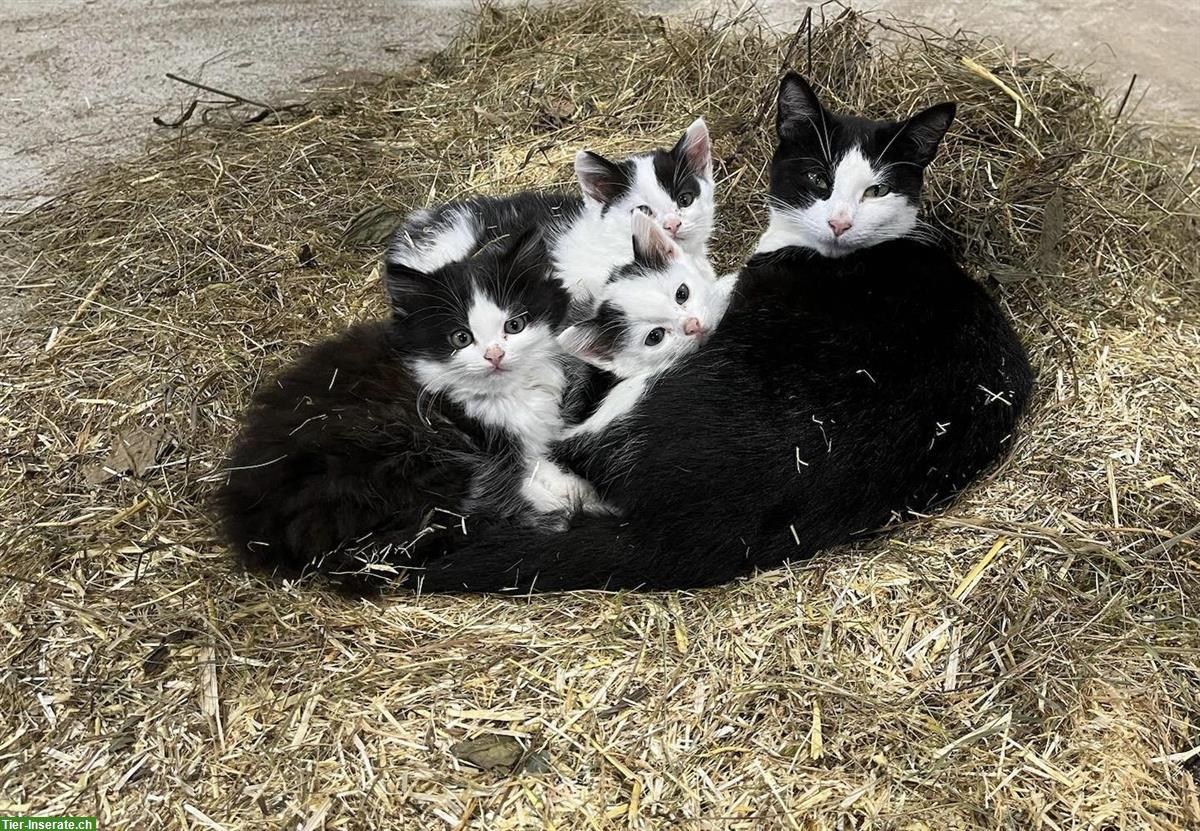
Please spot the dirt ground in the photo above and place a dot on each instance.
(84, 79)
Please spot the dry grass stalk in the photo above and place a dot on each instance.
(1028, 660)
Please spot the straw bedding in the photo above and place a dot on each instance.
(1026, 660)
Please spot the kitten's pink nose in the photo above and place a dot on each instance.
(671, 225)
(494, 355)
(839, 226)
(692, 326)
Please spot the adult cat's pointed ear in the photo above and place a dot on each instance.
(798, 105)
(923, 132)
(404, 285)
(694, 149)
(588, 342)
(652, 248)
(602, 181)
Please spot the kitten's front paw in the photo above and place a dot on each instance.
(596, 506)
(552, 523)
(550, 490)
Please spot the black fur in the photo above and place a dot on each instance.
(812, 140)
(836, 393)
(675, 172)
(499, 217)
(512, 272)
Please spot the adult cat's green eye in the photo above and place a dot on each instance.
(655, 337)
(514, 325)
(686, 198)
(818, 181)
(644, 209)
(875, 191)
(462, 338)
(682, 293)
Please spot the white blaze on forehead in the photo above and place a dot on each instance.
(486, 320)
(648, 298)
(851, 177)
(647, 190)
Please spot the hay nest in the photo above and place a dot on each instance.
(1028, 659)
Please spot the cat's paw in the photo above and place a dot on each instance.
(600, 508)
(552, 490)
(552, 523)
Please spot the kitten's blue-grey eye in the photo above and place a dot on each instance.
(655, 337)
(875, 191)
(461, 339)
(686, 198)
(818, 181)
(514, 325)
(645, 209)
(682, 294)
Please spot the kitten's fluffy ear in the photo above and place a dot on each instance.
(694, 149)
(404, 284)
(587, 342)
(652, 248)
(924, 130)
(798, 105)
(601, 180)
(525, 253)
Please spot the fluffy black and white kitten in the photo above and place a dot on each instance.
(839, 182)
(587, 236)
(376, 438)
(837, 393)
(653, 311)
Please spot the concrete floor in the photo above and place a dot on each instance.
(83, 78)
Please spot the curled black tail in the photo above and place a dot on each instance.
(597, 553)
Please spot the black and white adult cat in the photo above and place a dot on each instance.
(837, 392)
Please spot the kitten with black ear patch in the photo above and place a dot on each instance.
(362, 451)
(653, 311)
(588, 236)
(839, 182)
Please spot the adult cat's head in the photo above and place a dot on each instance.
(482, 325)
(676, 186)
(839, 182)
(654, 311)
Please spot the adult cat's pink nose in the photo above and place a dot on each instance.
(839, 226)
(671, 225)
(692, 326)
(494, 355)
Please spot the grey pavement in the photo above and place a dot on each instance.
(83, 78)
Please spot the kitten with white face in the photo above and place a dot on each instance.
(654, 311)
(840, 183)
(484, 335)
(587, 237)
(674, 188)
(364, 449)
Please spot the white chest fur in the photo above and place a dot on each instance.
(524, 404)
